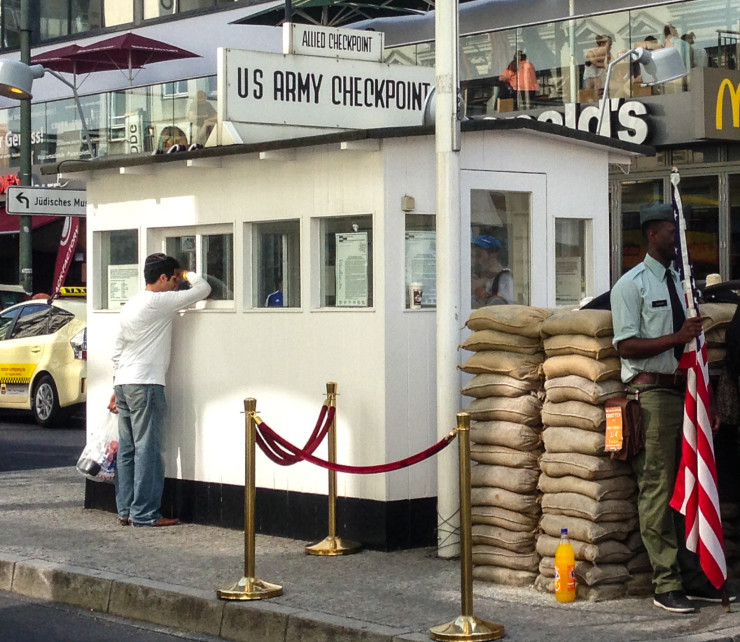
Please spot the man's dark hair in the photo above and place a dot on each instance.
(157, 264)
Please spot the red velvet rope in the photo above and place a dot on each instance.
(283, 457)
(268, 436)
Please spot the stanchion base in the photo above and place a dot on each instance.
(333, 546)
(250, 588)
(468, 627)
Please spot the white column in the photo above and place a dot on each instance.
(447, 138)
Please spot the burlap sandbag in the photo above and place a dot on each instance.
(517, 480)
(593, 323)
(575, 388)
(716, 357)
(574, 414)
(599, 593)
(496, 385)
(559, 439)
(588, 574)
(487, 555)
(583, 466)
(716, 338)
(516, 319)
(503, 456)
(634, 542)
(621, 487)
(716, 315)
(575, 364)
(506, 433)
(576, 505)
(640, 584)
(519, 366)
(525, 504)
(496, 516)
(640, 563)
(497, 340)
(606, 552)
(503, 576)
(592, 347)
(586, 530)
(523, 410)
(515, 541)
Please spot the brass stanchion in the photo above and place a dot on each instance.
(467, 626)
(331, 544)
(250, 587)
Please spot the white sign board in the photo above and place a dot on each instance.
(271, 88)
(421, 263)
(330, 42)
(351, 275)
(123, 283)
(52, 201)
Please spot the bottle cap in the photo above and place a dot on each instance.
(563, 531)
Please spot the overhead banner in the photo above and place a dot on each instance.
(311, 91)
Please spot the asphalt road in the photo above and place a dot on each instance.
(27, 446)
(26, 620)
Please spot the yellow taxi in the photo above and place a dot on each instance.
(43, 356)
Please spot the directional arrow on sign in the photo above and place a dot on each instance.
(22, 199)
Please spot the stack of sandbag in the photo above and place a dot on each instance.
(506, 440)
(716, 317)
(584, 489)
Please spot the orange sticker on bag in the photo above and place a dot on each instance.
(614, 434)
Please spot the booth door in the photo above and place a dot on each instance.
(504, 239)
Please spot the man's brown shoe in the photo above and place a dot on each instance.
(162, 521)
(124, 521)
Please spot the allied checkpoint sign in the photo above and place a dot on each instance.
(320, 91)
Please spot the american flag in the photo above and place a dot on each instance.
(695, 494)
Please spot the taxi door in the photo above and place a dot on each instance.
(22, 344)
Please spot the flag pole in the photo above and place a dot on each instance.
(695, 494)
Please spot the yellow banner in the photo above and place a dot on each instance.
(16, 372)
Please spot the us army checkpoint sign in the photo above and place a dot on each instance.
(50, 201)
(311, 91)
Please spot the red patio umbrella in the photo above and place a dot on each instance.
(65, 59)
(130, 51)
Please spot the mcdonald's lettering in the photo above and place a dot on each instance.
(735, 102)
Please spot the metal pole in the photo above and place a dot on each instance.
(467, 627)
(25, 240)
(447, 144)
(83, 122)
(331, 544)
(250, 587)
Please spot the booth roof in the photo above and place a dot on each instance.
(484, 124)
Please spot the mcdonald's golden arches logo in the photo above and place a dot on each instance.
(735, 101)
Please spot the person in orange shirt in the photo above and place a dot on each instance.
(521, 78)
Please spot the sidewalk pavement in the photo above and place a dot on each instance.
(52, 548)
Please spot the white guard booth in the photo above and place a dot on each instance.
(346, 221)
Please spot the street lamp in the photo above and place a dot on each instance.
(658, 66)
(16, 80)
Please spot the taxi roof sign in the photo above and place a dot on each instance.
(73, 291)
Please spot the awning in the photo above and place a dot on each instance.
(10, 223)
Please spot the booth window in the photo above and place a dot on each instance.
(346, 262)
(212, 255)
(499, 247)
(421, 258)
(573, 255)
(276, 264)
(119, 274)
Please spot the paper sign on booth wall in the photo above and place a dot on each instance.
(123, 283)
(351, 274)
(421, 263)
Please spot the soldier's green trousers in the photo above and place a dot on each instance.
(656, 467)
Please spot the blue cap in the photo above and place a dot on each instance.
(487, 242)
(656, 212)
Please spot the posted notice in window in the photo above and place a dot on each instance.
(421, 263)
(123, 283)
(351, 274)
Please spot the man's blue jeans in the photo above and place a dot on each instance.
(142, 409)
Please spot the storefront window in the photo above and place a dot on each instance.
(346, 262)
(734, 200)
(276, 264)
(700, 197)
(635, 194)
(117, 265)
(421, 259)
(573, 256)
(500, 247)
(212, 255)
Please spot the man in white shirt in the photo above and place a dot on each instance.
(140, 362)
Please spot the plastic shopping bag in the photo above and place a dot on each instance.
(98, 460)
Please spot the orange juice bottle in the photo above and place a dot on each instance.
(565, 562)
